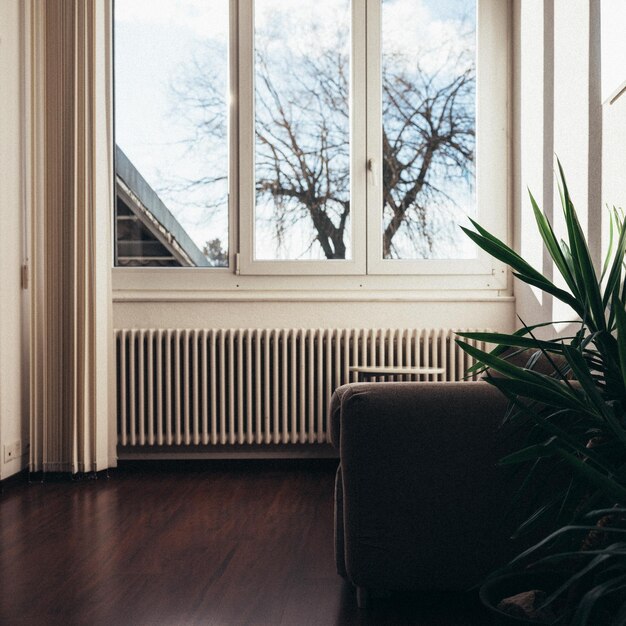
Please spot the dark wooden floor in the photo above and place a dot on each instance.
(181, 544)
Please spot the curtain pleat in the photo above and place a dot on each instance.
(71, 335)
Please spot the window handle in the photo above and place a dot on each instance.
(372, 168)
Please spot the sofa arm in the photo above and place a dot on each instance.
(423, 498)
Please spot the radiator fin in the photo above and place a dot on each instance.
(213, 387)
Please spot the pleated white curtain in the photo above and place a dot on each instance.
(68, 59)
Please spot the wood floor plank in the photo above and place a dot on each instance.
(224, 544)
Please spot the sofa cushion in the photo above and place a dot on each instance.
(334, 414)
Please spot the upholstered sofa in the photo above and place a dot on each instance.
(420, 500)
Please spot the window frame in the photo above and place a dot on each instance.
(491, 111)
(365, 270)
(356, 264)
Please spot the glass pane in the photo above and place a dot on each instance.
(171, 131)
(302, 126)
(429, 122)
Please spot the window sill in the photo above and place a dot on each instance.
(182, 284)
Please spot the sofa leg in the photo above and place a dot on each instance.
(362, 598)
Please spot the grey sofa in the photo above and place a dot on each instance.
(420, 500)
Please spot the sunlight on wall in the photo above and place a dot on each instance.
(613, 46)
(531, 133)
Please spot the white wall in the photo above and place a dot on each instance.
(614, 107)
(497, 313)
(557, 111)
(614, 152)
(12, 425)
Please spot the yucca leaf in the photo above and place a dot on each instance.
(598, 513)
(557, 534)
(562, 435)
(597, 479)
(500, 349)
(484, 235)
(615, 425)
(620, 617)
(551, 243)
(581, 373)
(584, 270)
(531, 453)
(514, 341)
(536, 518)
(502, 252)
(526, 383)
(617, 549)
(521, 489)
(609, 247)
(595, 562)
(613, 281)
(568, 493)
(589, 600)
(541, 391)
(620, 322)
(552, 289)
(499, 250)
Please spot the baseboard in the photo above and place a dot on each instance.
(269, 451)
(19, 478)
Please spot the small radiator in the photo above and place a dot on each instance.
(255, 386)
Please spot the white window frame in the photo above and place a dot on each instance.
(356, 263)
(366, 271)
(491, 145)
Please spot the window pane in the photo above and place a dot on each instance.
(171, 131)
(302, 126)
(429, 121)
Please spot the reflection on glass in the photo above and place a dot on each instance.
(302, 127)
(171, 131)
(429, 121)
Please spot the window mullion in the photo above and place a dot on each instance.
(358, 134)
(234, 121)
(245, 144)
(373, 127)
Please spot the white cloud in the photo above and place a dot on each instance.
(203, 18)
(413, 30)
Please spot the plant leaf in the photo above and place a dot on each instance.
(595, 478)
(620, 322)
(584, 270)
(550, 288)
(550, 241)
(613, 281)
(588, 601)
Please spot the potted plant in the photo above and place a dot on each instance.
(574, 414)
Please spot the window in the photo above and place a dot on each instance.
(171, 128)
(328, 138)
(302, 130)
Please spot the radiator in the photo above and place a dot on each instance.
(255, 386)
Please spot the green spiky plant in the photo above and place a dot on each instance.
(575, 416)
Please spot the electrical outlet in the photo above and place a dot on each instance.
(12, 451)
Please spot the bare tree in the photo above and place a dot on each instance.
(214, 252)
(302, 155)
(302, 143)
(428, 141)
